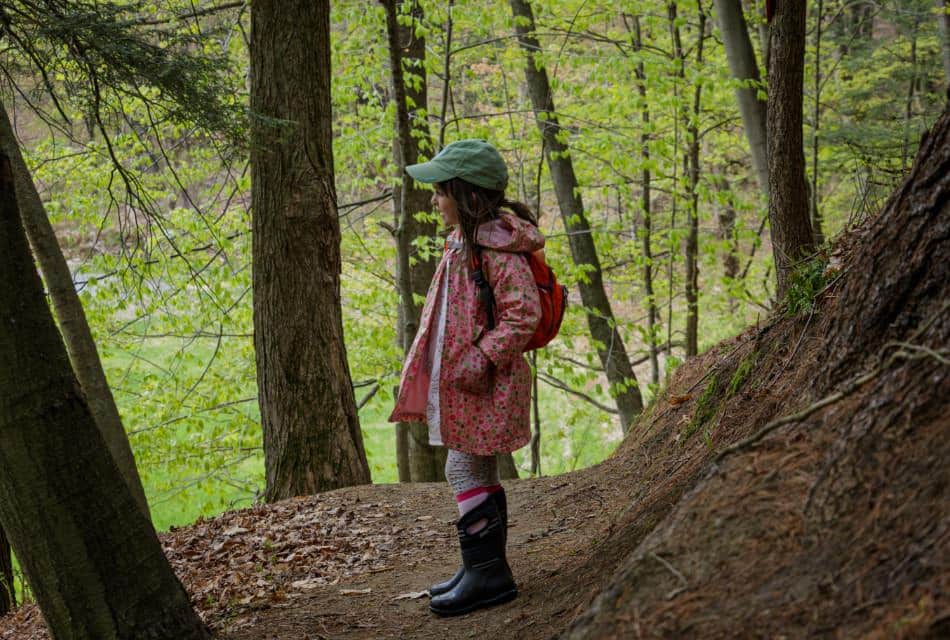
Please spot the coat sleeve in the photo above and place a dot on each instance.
(517, 307)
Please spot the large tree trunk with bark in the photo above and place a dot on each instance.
(407, 53)
(91, 557)
(789, 222)
(742, 64)
(312, 438)
(7, 591)
(600, 318)
(83, 354)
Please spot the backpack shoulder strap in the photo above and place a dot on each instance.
(485, 293)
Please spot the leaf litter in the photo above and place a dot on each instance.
(271, 555)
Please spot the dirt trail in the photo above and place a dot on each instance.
(554, 523)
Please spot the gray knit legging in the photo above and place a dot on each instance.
(465, 471)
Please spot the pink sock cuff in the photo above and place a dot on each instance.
(477, 491)
(471, 493)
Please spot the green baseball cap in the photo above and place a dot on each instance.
(472, 160)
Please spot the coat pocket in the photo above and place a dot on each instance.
(474, 372)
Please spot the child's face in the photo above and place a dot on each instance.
(447, 207)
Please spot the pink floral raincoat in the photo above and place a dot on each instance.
(484, 382)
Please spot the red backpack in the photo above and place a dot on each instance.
(553, 297)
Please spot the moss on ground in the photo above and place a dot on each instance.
(706, 408)
(741, 374)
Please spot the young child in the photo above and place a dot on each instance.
(466, 378)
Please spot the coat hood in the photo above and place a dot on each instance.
(510, 233)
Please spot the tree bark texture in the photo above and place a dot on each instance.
(83, 354)
(407, 53)
(600, 318)
(789, 222)
(7, 591)
(742, 64)
(312, 438)
(90, 556)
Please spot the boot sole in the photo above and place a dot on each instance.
(488, 602)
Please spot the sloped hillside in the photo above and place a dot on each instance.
(821, 505)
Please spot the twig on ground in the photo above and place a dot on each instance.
(684, 582)
(909, 351)
(798, 344)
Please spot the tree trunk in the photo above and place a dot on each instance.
(91, 557)
(407, 51)
(646, 206)
(814, 210)
(789, 222)
(402, 449)
(600, 318)
(507, 469)
(864, 18)
(535, 444)
(80, 346)
(312, 438)
(943, 22)
(7, 590)
(906, 151)
(726, 231)
(742, 63)
(762, 27)
(692, 132)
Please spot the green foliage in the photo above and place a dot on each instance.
(805, 285)
(91, 52)
(163, 261)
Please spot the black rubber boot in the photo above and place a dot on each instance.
(486, 580)
(445, 587)
(502, 503)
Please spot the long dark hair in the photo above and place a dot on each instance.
(477, 205)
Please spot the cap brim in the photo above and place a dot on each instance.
(428, 172)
